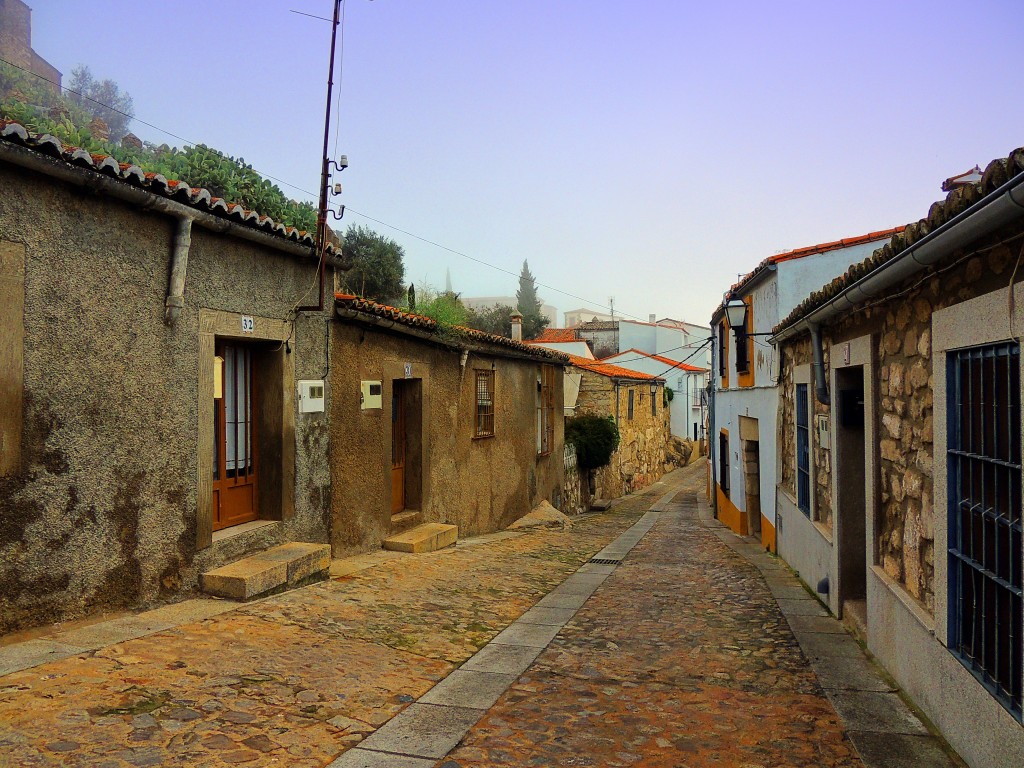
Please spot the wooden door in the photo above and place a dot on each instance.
(234, 465)
(397, 447)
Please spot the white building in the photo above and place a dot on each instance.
(745, 403)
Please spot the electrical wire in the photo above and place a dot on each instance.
(297, 188)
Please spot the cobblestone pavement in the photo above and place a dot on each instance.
(681, 659)
(296, 679)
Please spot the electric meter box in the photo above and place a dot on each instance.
(371, 395)
(311, 396)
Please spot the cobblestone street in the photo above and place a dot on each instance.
(681, 656)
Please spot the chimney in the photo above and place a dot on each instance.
(651, 318)
(517, 327)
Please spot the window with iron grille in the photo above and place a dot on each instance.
(723, 351)
(803, 451)
(723, 462)
(546, 404)
(654, 403)
(629, 405)
(985, 546)
(484, 403)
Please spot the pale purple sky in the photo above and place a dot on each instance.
(648, 150)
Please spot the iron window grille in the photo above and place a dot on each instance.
(546, 424)
(803, 452)
(984, 517)
(484, 403)
(723, 350)
(723, 463)
(629, 405)
(743, 342)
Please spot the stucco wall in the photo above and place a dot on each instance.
(102, 511)
(481, 484)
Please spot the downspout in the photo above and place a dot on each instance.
(179, 265)
(712, 434)
(820, 385)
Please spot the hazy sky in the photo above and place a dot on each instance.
(648, 150)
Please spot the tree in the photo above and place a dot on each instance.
(529, 305)
(445, 307)
(103, 99)
(496, 320)
(378, 271)
(594, 437)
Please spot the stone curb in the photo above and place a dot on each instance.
(427, 730)
(884, 730)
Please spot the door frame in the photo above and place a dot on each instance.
(279, 404)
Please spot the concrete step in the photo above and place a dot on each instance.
(855, 617)
(273, 570)
(423, 538)
(405, 520)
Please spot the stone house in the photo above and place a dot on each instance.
(150, 356)
(637, 403)
(745, 401)
(908, 366)
(16, 41)
(437, 424)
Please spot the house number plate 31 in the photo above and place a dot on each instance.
(248, 324)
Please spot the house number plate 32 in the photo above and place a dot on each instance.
(248, 324)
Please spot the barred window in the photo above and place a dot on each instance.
(984, 509)
(484, 403)
(803, 451)
(629, 405)
(723, 461)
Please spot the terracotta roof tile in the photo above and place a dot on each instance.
(15, 133)
(612, 371)
(557, 335)
(661, 359)
(412, 320)
(961, 198)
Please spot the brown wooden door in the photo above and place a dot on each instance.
(397, 447)
(234, 465)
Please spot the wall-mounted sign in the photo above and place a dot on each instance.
(248, 324)
(408, 370)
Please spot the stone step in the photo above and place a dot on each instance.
(423, 538)
(405, 520)
(273, 570)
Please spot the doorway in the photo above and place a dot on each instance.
(235, 435)
(851, 502)
(406, 445)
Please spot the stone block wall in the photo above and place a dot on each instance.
(900, 328)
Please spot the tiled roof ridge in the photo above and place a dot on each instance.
(660, 358)
(996, 173)
(610, 370)
(557, 335)
(808, 250)
(413, 320)
(155, 183)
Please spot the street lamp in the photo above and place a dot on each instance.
(654, 388)
(736, 313)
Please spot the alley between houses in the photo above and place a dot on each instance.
(681, 657)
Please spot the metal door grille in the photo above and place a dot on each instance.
(803, 452)
(984, 470)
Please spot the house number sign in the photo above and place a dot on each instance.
(408, 370)
(248, 324)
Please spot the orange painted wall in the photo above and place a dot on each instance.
(767, 535)
(729, 514)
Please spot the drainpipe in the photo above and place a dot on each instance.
(179, 265)
(712, 433)
(820, 385)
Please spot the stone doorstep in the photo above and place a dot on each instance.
(423, 538)
(285, 565)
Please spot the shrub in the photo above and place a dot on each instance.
(595, 439)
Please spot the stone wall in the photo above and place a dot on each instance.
(640, 458)
(575, 493)
(900, 328)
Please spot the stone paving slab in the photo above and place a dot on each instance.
(545, 615)
(508, 659)
(469, 688)
(876, 712)
(801, 607)
(423, 730)
(364, 758)
(823, 624)
(895, 750)
(14, 658)
(857, 674)
(531, 635)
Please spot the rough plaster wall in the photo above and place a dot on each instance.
(906, 518)
(103, 512)
(481, 485)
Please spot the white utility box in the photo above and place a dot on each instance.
(371, 395)
(311, 396)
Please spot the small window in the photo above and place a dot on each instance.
(484, 403)
(723, 351)
(654, 403)
(984, 508)
(803, 452)
(629, 407)
(742, 352)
